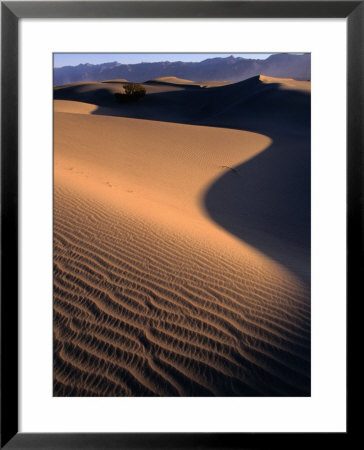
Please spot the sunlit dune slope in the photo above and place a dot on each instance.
(287, 83)
(162, 169)
(69, 106)
(152, 296)
(174, 80)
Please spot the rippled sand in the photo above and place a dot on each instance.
(152, 297)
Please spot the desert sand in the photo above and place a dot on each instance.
(182, 239)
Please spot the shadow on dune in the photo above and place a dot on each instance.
(272, 210)
(265, 201)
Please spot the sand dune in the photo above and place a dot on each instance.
(182, 161)
(287, 83)
(116, 80)
(186, 83)
(73, 107)
(274, 107)
(175, 80)
(152, 295)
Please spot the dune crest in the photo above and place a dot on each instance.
(287, 83)
(68, 106)
(174, 80)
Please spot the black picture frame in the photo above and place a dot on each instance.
(11, 12)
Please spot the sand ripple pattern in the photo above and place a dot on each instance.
(141, 313)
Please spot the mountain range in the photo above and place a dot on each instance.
(297, 66)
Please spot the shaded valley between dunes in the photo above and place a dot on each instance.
(182, 239)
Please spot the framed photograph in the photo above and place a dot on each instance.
(181, 210)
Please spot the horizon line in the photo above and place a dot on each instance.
(82, 61)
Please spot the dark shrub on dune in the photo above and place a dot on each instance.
(133, 92)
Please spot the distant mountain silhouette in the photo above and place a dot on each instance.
(213, 69)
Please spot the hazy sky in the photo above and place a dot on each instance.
(73, 59)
